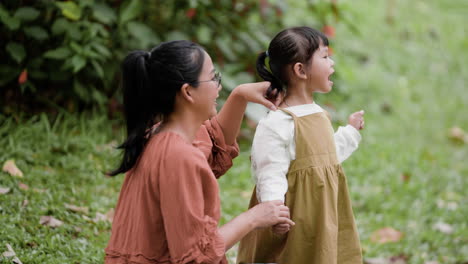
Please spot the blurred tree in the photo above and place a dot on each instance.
(67, 53)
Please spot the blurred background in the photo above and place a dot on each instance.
(403, 62)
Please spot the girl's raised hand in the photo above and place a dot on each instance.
(256, 93)
(357, 120)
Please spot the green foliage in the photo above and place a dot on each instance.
(410, 77)
(72, 50)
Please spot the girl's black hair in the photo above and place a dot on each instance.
(150, 83)
(289, 46)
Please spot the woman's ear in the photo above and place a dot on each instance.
(299, 70)
(186, 92)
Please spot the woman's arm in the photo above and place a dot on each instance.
(232, 112)
(260, 216)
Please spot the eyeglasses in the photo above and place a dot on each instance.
(216, 78)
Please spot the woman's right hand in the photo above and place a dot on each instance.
(256, 93)
(270, 213)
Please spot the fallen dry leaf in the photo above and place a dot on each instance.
(77, 209)
(107, 147)
(50, 221)
(405, 177)
(109, 216)
(23, 186)
(8, 254)
(11, 253)
(11, 168)
(376, 261)
(447, 205)
(4, 190)
(443, 227)
(402, 259)
(99, 217)
(25, 203)
(386, 235)
(458, 135)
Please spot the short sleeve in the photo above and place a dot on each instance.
(210, 140)
(192, 235)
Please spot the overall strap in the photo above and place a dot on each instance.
(288, 112)
(296, 124)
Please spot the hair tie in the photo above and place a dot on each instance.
(266, 52)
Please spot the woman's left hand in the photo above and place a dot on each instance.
(281, 229)
(256, 93)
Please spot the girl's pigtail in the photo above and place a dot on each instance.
(276, 86)
(136, 84)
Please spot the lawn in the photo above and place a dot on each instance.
(408, 176)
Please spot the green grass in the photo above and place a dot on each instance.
(66, 158)
(409, 76)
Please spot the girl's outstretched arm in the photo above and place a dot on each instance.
(232, 112)
(347, 138)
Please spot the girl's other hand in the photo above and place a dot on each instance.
(357, 120)
(256, 93)
(270, 213)
(281, 229)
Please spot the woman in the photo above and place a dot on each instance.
(177, 145)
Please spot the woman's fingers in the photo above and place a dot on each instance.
(278, 202)
(268, 104)
(280, 230)
(277, 213)
(283, 226)
(287, 221)
(284, 213)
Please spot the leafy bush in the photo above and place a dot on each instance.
(68, 53)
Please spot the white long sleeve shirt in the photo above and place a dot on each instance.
(274, 148)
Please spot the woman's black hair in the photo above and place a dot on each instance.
(150, 83)
(289, 46)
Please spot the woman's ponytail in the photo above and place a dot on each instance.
(265, 74)
(136, 85)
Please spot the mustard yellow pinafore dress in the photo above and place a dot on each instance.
(319, 203)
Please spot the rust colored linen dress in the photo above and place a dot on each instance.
(169, 205)
(319, 204)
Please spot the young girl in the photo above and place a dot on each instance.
(296, 159)
(176, 147)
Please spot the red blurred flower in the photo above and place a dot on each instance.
(191, 12)
(329, 31)
(23, 77)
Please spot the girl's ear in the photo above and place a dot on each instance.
(299, 70)
(186, 92)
